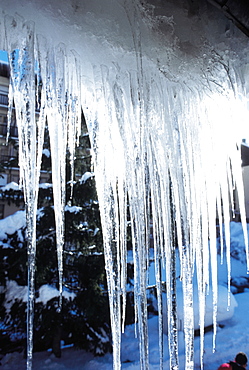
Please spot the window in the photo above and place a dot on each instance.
(3, 124)
(1, 211)
(13, 125)
(14, 178)
(4, 153)
(3, 179)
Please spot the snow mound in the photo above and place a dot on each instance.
(72, 209)
(47, 292)
(15, 292)
(11, 186)
(45, 185)
(86, 176)
(224, 312)
(11, 224)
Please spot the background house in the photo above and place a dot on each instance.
(245, 172)
(9, 169)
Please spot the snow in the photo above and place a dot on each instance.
(223, 311)
(11, 186)
(13, 292)
(46, 152)
(233, 315)
(231, 338)
(86, 176)
(4, 57)
(72, 209)
(45, 185)
(47, 292)
(11, 224)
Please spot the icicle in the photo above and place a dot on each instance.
(74, 112)
(122, 199)
(54, 81)
(157, 238)
(10, 108)
(23, 86)
(107, 187)
(155, 125)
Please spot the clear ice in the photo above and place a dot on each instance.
(164, 94)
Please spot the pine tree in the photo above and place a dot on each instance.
(84, 320)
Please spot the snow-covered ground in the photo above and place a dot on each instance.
(231, 338)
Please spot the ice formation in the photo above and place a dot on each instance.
(164, 93)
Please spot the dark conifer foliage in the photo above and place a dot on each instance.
(83, 320)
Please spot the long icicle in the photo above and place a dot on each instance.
(22, 70)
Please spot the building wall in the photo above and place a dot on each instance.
(7, 150)
(246, 189)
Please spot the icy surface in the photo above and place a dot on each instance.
(162, 89)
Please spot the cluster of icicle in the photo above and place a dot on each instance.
(158, 149)
(38, 84)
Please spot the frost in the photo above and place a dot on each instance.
(161, 92)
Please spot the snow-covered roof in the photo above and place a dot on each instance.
(11, 186)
